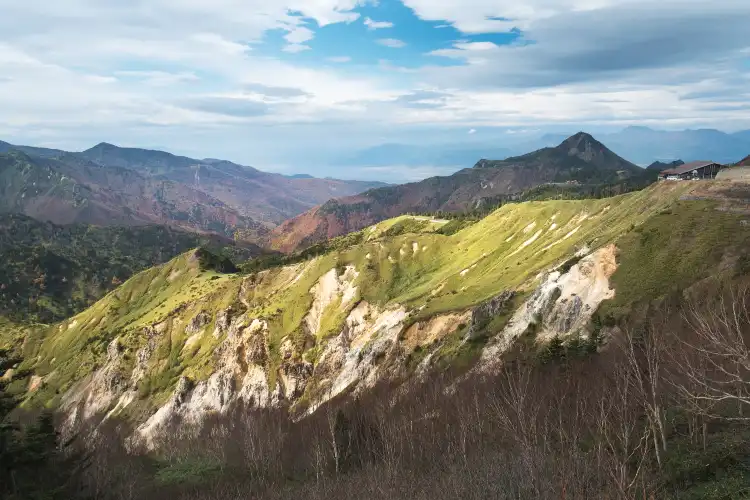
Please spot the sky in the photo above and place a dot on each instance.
(293, 85)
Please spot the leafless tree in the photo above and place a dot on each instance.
(714, 360)
(645, 352)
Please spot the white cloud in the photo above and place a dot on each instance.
(194, 74)
(618, 44)
(461, 50)
(472, 131)
(484, 16)
(475, 46)
(376, 25)
(393, 43)
(295, 47)
(299, 35)
(159, 78)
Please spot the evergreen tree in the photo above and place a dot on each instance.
(8, 430)
(34, 465)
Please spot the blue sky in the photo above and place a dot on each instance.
(297, 85)
(386, 31)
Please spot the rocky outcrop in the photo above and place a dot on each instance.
(425, 333)
(101, 391)
(331, 289)
(197, 323)
(143, 356)
(562, 305)
(243, 358)
(241, 375)
(308, 369)
(350, 361)
(484, 313)
(223, 319)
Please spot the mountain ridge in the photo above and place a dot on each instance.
(580, 159)
(73, 190)
(659, 166)
(171, 189)
(641, 145)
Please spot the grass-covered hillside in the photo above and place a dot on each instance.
(50, 272)
(414, 281)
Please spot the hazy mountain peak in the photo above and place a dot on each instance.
(589, 150)
(660, 165)
(102, 146)
(638, 128)
(580, 140)
(578, 136)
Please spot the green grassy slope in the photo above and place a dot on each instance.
(427, 272)
(73, 348)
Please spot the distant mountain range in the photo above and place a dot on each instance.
(579, 159)
(447, 155)
(108, 185)
(641, 145)
(111, 185)
(644, 145)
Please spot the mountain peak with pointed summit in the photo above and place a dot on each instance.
(102, 145)
(580, 157)
(580, 136)
(584, 146)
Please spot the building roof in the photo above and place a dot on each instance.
(688, 167)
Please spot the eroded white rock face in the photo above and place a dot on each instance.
(363, 352)
(105, 388)
(240, 375)
(562, 305)
(330, 288)
(350, 360)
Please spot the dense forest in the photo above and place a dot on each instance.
(51, 272)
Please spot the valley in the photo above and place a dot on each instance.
(543, 280)
(52, 272)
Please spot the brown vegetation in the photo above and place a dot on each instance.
(660, 411)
